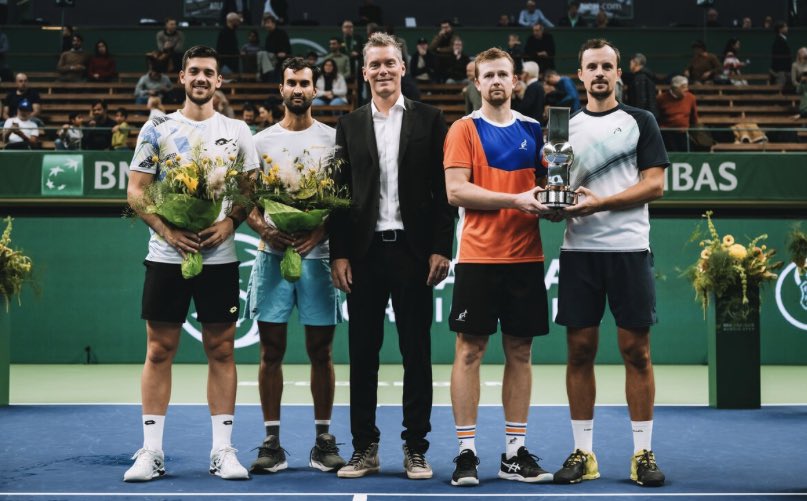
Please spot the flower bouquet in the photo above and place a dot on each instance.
(727, 269)
(191, 194)
(797, 245)
(298, 196)
(15, 267)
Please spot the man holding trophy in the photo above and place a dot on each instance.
(618, 169)
(493, 173)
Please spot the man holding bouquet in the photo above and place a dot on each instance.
(203, 149)
(291, 147)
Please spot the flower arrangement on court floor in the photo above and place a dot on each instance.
(727, 269)
(298, 194)
(797, 246)
(191, 194)
(15, 267)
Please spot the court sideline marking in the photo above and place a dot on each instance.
(364, 497)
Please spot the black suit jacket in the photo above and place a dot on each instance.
(427, 217)
(532, 105)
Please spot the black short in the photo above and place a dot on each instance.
(485, 294)
(167, 296)
(625, 278)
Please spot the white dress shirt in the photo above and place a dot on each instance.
(388, 140)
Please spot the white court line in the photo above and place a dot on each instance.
(23, 404)
(363, 497)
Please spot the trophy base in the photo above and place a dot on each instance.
(557, 198)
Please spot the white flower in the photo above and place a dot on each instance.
(215, 181)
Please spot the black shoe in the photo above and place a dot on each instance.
(579, 466)
(325, 454)
(465, 472)
(644, 470)
(523, 467)
(271, 457)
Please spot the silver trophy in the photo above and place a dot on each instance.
(559, 157)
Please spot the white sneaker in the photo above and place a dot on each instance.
(148, 464)
(224, 463)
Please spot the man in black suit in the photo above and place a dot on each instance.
(394, 241)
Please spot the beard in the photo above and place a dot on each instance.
(297, 109)
(199, 101)
(600, 95)
(498, 99)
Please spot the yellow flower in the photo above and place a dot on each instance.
(169, 163)
(267, 158)
(178, 158)
(232, 172)
(737, 251)
(232, 158)
(705, 253)
(728, 241)
(155, 159)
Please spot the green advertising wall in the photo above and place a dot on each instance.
(89, 268)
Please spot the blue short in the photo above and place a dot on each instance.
(270, 297)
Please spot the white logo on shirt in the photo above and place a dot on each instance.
(523, 145)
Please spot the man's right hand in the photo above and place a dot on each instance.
(183, 241)
(341, 274)
(276, 238)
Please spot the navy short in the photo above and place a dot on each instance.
(625, 278)
(486, 294)
(167, 296)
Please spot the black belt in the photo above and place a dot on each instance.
(389, 236)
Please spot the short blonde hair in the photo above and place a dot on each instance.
(491, 55)
(381, 39)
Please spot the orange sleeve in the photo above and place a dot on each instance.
(457, 147)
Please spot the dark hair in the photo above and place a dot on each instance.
(597, 43)
(72, 115)
(248, 107)
(778, 26)
(105, 45)
(296, 64)
(447, 21)
(101, 102)
(730, 46)
(123, 112)
(169, 18)
(198, 51)
(78, 35)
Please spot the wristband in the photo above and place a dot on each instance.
(236, 222)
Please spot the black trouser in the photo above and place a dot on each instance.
(390, 269)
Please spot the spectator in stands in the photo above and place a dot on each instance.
(531, 16)
(747, 25)
(265, 118)
(99, 136)
(22, 91)
(572, 18)
(249, 54)
(312, 57)
(602, 21)
(5, 72)
(240, 7)
(331, 86)
(781, 58)
(152, 83)
(711, 19)
(70, 135)
(67, 37)
(352, 44)
(248, 113)
(222, 105)
(278, 9)
(704, 66)
(540, 48)
(72, 65)
(442, 48)
(101, 67)
(505, 21)
(799, 66)
(171, 45)
(642, 90)
(473, 98)
(20, 132)
(801, 89)
(677, 109)
(155, 107)
(562, 91)
(340, 59)
(120, 132)
(423, 64)
(227, 45)
(370, 13)
(455, 72)
(732, 65)
(767, 23)
(516, 51)
(530, 100)
(278, 46)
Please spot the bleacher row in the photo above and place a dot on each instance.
(719, 106)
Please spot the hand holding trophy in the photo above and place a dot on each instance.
(559, 156)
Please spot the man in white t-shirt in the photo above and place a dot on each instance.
(20, 132)
(297, 139)
(215, 291)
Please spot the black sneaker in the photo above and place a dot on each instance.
(523, 467)
(579, 466)
(465, 472)
(644, 470)
(325, 454)
(271, 457)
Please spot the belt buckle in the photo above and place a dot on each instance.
(389, 236)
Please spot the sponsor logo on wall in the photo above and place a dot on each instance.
(791, 296)
(62, 175)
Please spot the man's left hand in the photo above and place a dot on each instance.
(588, 203)
(438, 269)
(216, 234)
(304, 242)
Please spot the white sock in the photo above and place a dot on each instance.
(222, 430)
(583, 433)
(642, 435)
(466, 435)
(153, 432)
(515, 435)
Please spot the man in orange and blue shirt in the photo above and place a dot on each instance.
(493, 173)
